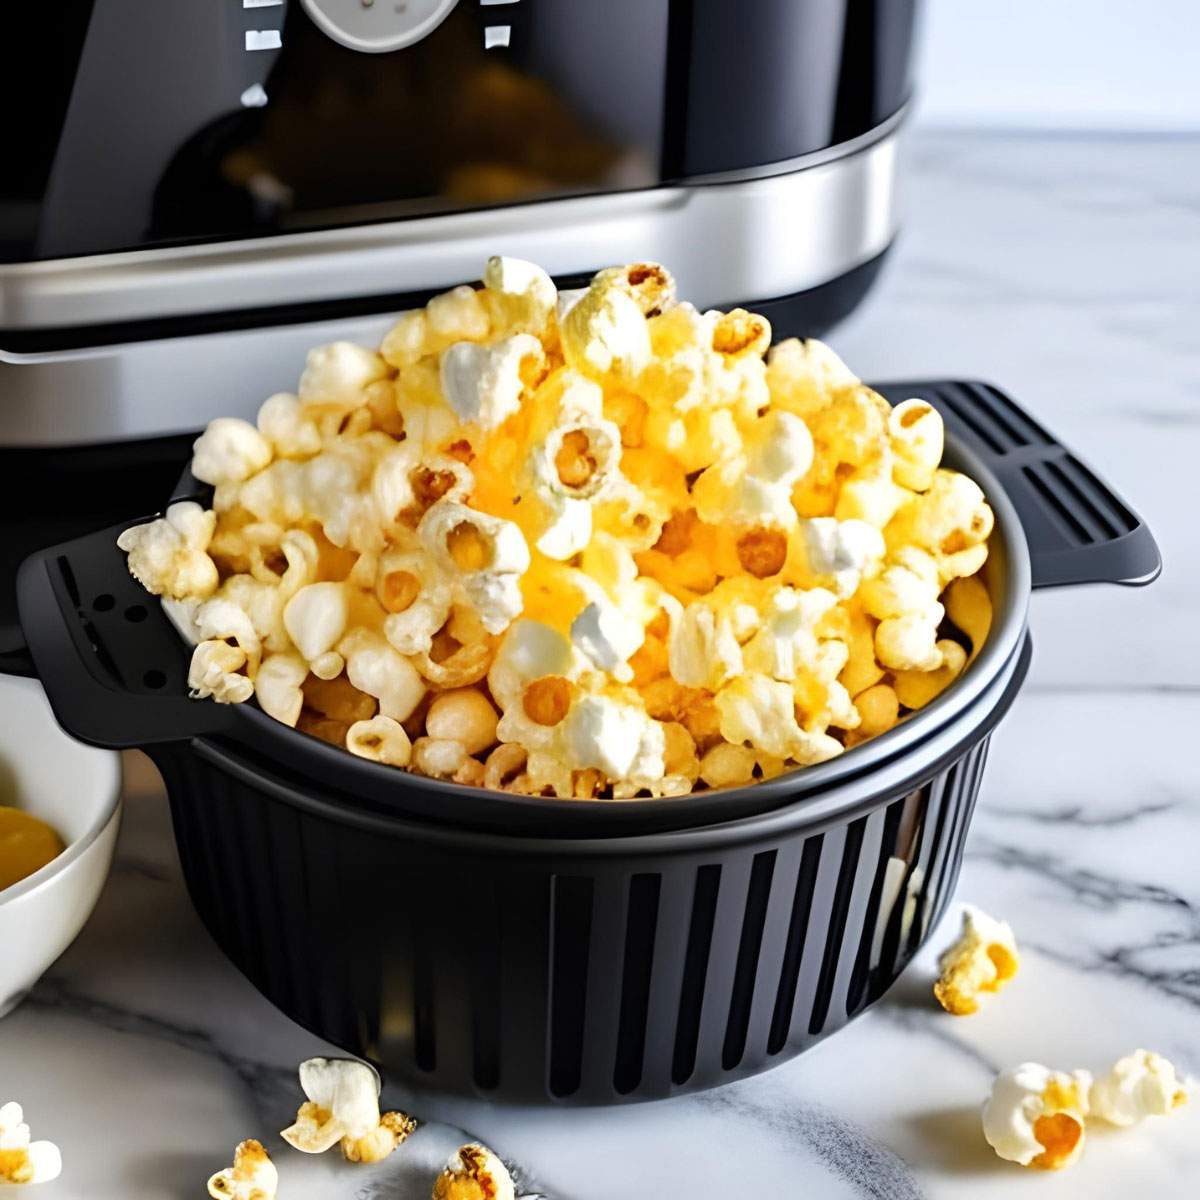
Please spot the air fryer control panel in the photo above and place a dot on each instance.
(377, 26)
(175, 121)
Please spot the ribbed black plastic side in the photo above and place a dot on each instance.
(578, 978)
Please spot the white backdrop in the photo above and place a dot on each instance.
(1064, 64)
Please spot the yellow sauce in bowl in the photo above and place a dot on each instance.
(26, 844)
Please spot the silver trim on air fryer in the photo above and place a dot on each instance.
(763, 238)
(797, 226)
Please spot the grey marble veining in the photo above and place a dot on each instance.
(1066, 270)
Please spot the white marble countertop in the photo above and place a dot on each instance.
(1068, 271)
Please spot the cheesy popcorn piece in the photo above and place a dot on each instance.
(917, 438)
(342, 1106)
(253, 1175)
(523, 296)
(983, 959)
(23, 1160)
(473, 1172)
(604, 332)
(336, 377)
(485, 555)
(762, 711)
(1142, 1084)
(755, 489)
(169, 556)
(1035, 1116)
(483, 384)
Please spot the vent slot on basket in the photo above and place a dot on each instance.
(486, 990)
(887, 888)
(837, 925)
(985, 413)
(571, 917)
(793, 955)
(640, 928)
(424, 1008)
(695, 968)
(757, 896)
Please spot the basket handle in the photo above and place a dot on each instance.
(113, 666)
(1079, 530)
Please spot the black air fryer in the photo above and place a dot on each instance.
(211, 187)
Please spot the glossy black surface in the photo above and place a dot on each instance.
(133, 123)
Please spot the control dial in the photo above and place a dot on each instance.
(376, 26)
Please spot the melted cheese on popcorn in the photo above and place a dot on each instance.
(983, 959)
(634, 551)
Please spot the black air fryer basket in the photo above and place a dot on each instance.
(580, 951)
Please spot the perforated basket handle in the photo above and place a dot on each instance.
(113, 666)
(1078, 529)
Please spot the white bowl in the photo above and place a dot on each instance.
(77, 789)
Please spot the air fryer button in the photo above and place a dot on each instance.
(376, 26)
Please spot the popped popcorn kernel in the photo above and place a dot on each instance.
(473, 1172)
(23, 1160)
(253, 1175)
(596, 544)
(1140, 1085)
(342, 1107)
(983, 959)
(1035, 1116)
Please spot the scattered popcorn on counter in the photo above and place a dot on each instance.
(21, 1160)
(474, 1173)
(983, 959)
(252, 1177)
(1035, 1116)
(597, 545)
(1140, 1085)
(343, 1106)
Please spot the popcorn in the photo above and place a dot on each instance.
(376, 668)
(315, 618)
(252, 1177)
(417, 597)
(1140, 1085)
(214, 671)
(761, 711)
(277, 686)
(229, 451)
(343, 1106)
(917, 437)
(169, 556)
(474, 1173)
(842, 551)
(596, 544)
(483, 384)
(1035, 1116)
(22, 1160)
(335, 378)
(983, 959)
(485, 555)
(524, 296)
(380, 739)
(605, 332)
(291, 434)
(616, 738)
(703, 651)
(787, 643)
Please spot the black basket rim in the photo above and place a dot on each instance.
(787, 813)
